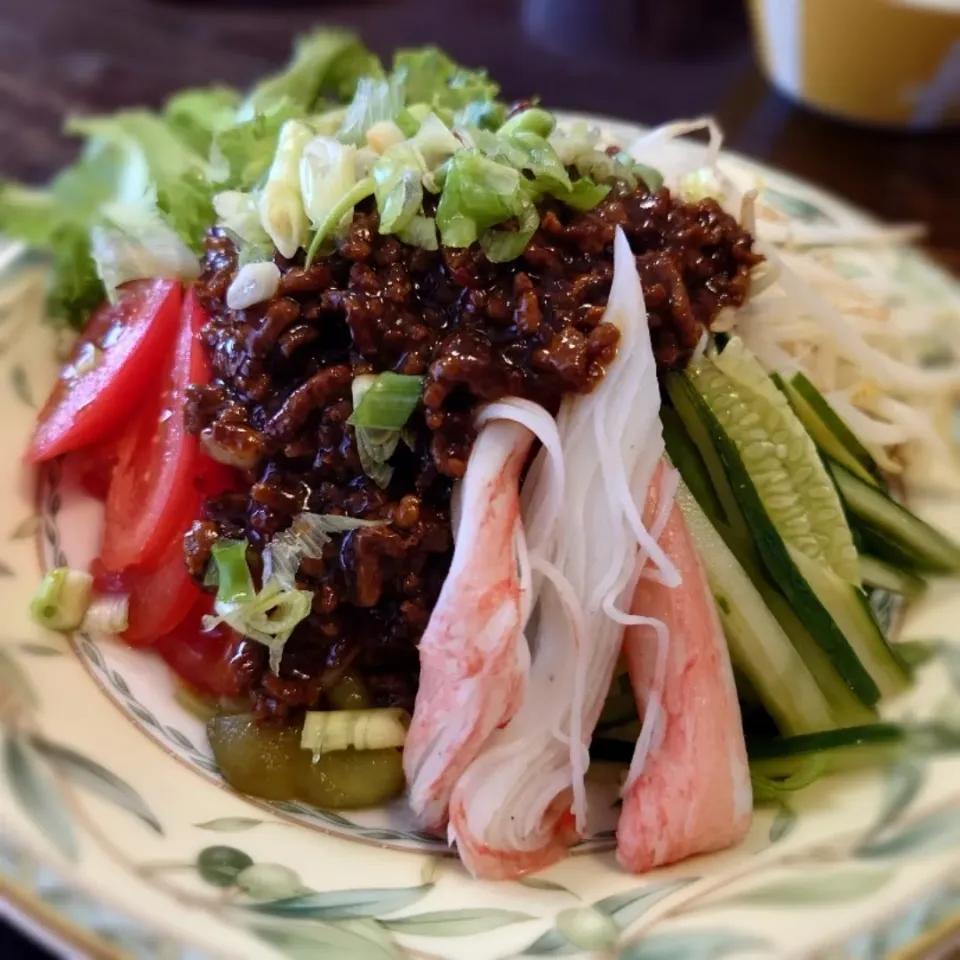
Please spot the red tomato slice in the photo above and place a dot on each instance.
(93, 466)
(153, 481)
(162, 593)
(207, 661)
(160, 596)
(114, 365)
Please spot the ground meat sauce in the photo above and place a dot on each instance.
(476, 331)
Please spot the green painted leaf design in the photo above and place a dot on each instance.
(703, 944)
(539, 883)
(456, 923)
(934, 833)
(229, 824)
(16, 689)
(814, 888)
(904, 781)
(950, 656)
(343, 904)
(783, 823)
(21, 385)
(550, 944)
(221, 865)
(96, 778)
(325, 941)
(38, 795)
(625, 908)
(27, 527)
(39, 650)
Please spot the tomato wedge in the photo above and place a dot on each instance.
(211, 662)
(159, 596)
(162, 593)
(115, 364)
(152, 485)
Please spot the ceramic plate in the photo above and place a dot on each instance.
(119, 838)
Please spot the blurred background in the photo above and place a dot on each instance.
(895, 62)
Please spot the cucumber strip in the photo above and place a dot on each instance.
(779, 564)
(834, 438)
(849, 749)
(779, 456)
(758, 646)
(694, 414)
(885, 576)
(850, 610)
(686, 401)
(844, 749)
(884, 521)
(685, 456)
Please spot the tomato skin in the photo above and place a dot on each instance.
(205, 660)
(160, 596)
(157, 458)
(135, 337)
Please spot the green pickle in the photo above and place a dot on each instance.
(268, 762)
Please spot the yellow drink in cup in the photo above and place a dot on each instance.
(885, 62)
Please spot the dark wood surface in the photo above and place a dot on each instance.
(642, 60)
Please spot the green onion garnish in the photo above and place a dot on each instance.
(268, 616)
(359, 191)
(234, 583)
(375, 729)
(387, 402)
(62, 599)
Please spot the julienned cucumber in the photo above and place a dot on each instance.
(778, 455)
(891, 531)
(831, 435)
(894, 579)
(850, 610)
(758, 646)
(848, 749)
(763, 554)
(841, 749)
(779, 564)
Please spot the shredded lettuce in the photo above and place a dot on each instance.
(325, 63)
(429, 76)
(198, 113)
(134, 242)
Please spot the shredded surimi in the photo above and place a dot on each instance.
(515, 797)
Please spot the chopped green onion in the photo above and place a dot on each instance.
(234, 583)
(534, 120)
(421, 232)
(374, 729)
(269, 617)
(306, 537)
(387, 402)
(651, 177)
(107, 615)
(62, 599)
(399, 189)
(360, 191)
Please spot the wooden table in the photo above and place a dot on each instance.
(642, 60)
